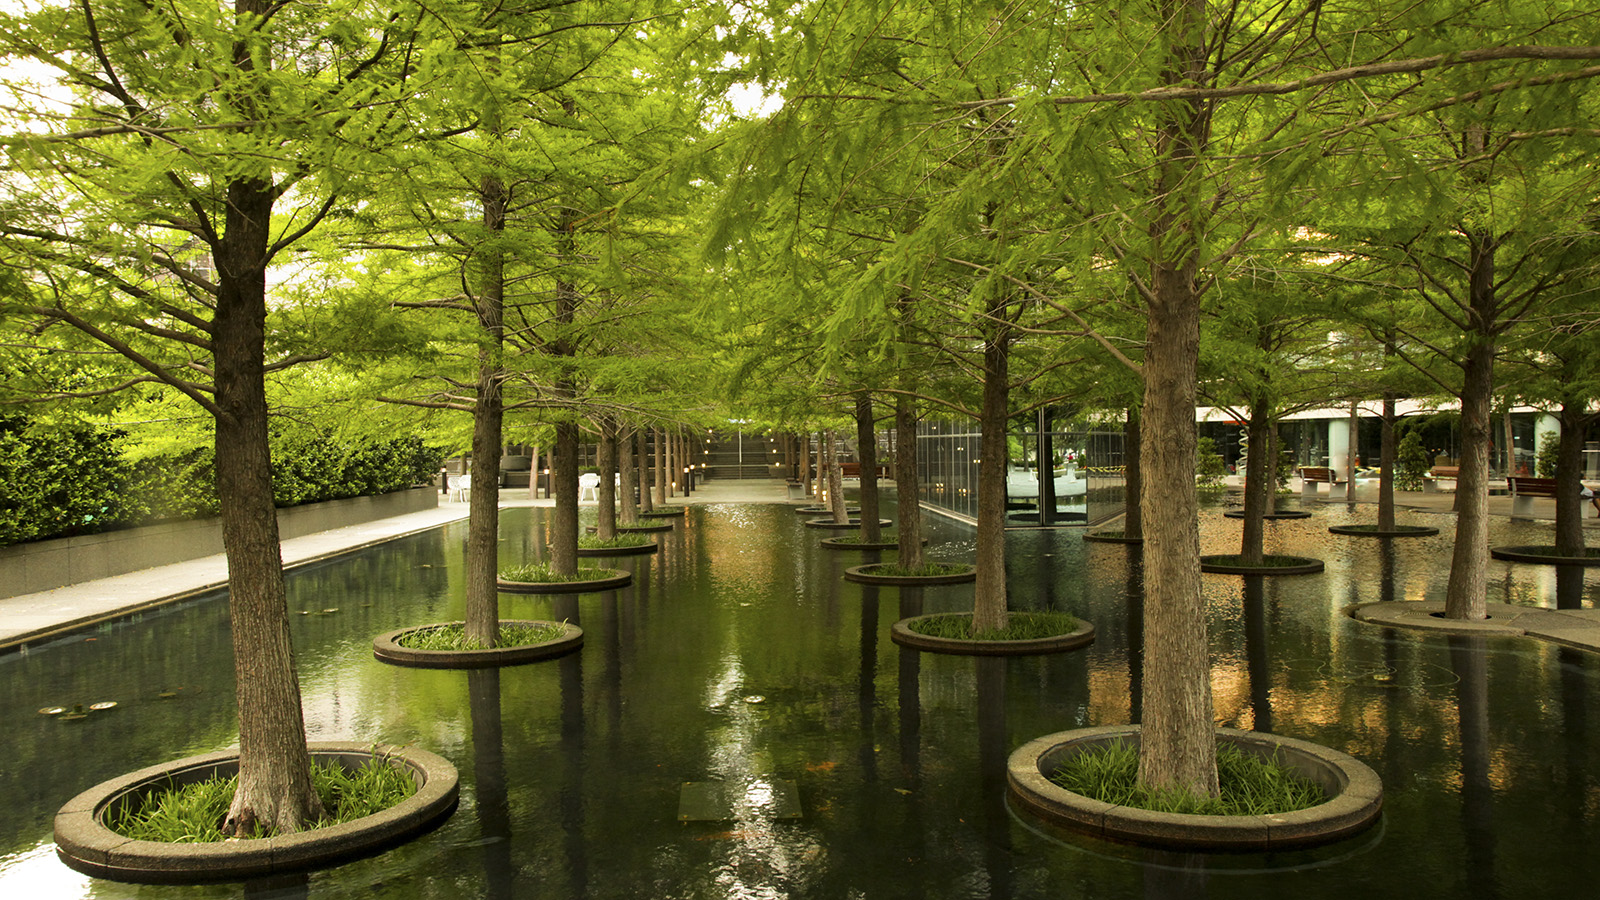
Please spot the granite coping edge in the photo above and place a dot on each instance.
(1505, 620)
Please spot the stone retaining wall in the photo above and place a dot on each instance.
(45, 565)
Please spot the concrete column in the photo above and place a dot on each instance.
(1339, 449)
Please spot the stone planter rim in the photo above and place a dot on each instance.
(661, 512)
(849, 510)
(860, 575)
(617, 580)
(1275, 514)
(387, 648)
(853, 523)
(901, 633)
(87, 845)
(1306, 566)
(1526, 553)
(1399, 531)
(1356, 797)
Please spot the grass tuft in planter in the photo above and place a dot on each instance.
(1250, 785)
(620, 542)
(926, 570)
(453, 636)
(542, 574)
(193, 813)
(1023, 626)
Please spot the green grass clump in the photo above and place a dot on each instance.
(193, 813)
(1250, 785)
(1023, 626)
(620, 542)
(894, 570)
(453, 636)
(540, 573)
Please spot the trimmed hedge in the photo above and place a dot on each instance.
(62, 481)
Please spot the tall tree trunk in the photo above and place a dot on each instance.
(1386, 458)
(836, 503)
(1178, 745)
(989, 611)
(867, 453)
(1571, 506)
(660, 464)
(1260, 483)
(822, 472)
(805, 467)
(483, 517)
(1133, 477)
(908, 491)
(630, 478)
(1352, 451)
(646, 471)
(533, 473)
(606, 457)
(669, 464)
(564, 522)
(275, 790)
(1467, 593)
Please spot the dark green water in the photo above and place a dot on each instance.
(741, 656)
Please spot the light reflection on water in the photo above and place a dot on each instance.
(572, 769)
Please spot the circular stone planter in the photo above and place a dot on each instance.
(1354, 790)
(1275, 514)
(853, 523)
(664, 512)
(387, 648)
(85, 843)
(865, 575)
(834, 543)
(635, 550)
(903, 634)
(1300, 565)
(1542, 555)
(1372, 531)
(825, 510)
(1110, 537)
(616, 580)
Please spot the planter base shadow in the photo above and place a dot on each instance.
(853, 523)
(825, 510)
(1543, 555)
(844, 544)
(866, 575)
(903, 634)
(1110, 537)
(387, 648)
(85, 844)
(634, 550)
(666, 512)
(1291, 565)
(1354, 791)
(1275, 514)
(1372, 531)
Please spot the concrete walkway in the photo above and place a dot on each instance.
(31, 618)
(1578, 628)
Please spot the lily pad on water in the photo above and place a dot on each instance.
(52, 710)
(103, 705)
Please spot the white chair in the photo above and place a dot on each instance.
(460, 487)
(589, 483)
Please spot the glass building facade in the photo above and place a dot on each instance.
(1058, 472)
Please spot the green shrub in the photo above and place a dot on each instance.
(1250, 785)
(1209, 469)
(1411, 462)
(1544, 464)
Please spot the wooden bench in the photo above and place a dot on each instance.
(1524, 489)
(1311, 476)
(1438, 475)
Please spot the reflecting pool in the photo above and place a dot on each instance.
(739, 725)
